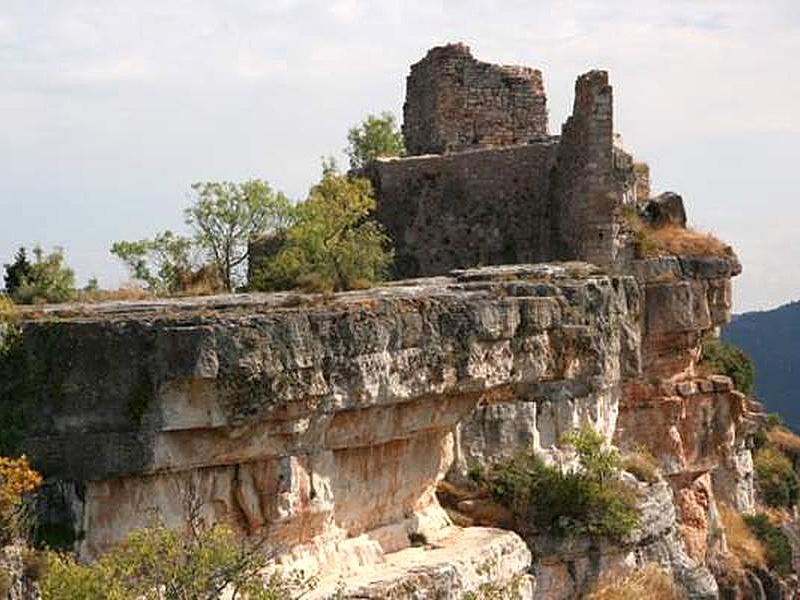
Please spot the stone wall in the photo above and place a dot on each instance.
(454, 102)
(484, 207)
(549, 199)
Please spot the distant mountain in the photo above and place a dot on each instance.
(772, 339)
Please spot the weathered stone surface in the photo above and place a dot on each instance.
(456, 564)
(454, 102)
(531, 199)
(565, 569)
(322, 423)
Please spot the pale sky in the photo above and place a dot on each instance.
(109, 110)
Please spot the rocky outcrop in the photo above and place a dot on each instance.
(322, 423)
(567, 568)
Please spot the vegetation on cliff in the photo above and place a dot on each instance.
(46, 279)
(590, 499)
(724, 358)
(159, 563)
(333, 243)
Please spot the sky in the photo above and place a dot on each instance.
(110, 110)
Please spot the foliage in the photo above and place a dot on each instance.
(333, 245)
(591, 500)
(158, 563)
(376, 136)
(16, 479)
(777, 546)
(650, 581)
(226, 216)
(48, 280)
(17, 272)
(163, 263)
(776, 479)
(726, 359)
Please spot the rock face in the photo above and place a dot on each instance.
(324, 424)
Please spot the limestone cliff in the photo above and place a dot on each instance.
(325, 423)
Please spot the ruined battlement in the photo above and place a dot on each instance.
(492, 187)
(455, 102)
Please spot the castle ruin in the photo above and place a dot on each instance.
(484, 183)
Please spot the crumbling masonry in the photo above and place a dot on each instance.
(485, 184)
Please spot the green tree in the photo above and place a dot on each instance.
(226, 216)
(158, 563)
(49, 279)
(164, 263)
(17, 272)
(376, 136)
(334, 244)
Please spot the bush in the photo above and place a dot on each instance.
(591, 500)
(777, 546)
(16, 480)
(158, 562)
(334, 244)
(776, 479)
(48, 279)
(726, 359)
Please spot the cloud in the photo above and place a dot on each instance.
(112, 108)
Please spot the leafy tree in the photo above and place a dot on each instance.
(375, 137)
(726, 359)
(17, 272)
(164, 263)
(158, 563)
(48, 280)
(226, 216)
(333, 245)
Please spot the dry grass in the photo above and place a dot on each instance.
(671, 239)
(743, 545)
(785, 440)
(677, 240)
(650, 582)
(129, 292)
(642, 465)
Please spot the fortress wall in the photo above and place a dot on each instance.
(483, 207)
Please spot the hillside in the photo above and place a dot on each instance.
(772, 339)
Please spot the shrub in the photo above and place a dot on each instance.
(776, 479)
(726, 359)
(47, 280)
(650, 581)
(158, 562)
(16, 480)
(591, 500)
(777, 546)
